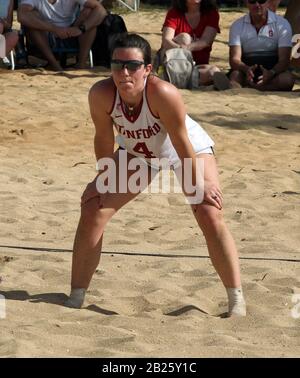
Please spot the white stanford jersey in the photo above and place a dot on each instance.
(145, 136)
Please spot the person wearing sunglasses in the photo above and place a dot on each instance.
(149, 117)
(260, 48)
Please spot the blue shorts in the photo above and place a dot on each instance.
(63, 44)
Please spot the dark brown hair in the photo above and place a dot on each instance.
(205, 5)
(126, 40)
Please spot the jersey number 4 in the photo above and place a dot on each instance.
(141, 148)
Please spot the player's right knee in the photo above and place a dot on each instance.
(92, 218)
(92, 208)
(92, 212)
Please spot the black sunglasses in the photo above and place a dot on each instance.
(131, 65)
(257, 1)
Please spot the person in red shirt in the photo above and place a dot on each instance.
(193, 25)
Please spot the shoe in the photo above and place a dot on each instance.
(221, 81)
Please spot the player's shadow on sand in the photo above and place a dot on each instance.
(189, 308)
(53, 298)
(60, 298)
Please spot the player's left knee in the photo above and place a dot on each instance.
(209, 217)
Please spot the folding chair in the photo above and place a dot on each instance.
(59, 49)
(131, 4)
(63, 51)
(10, 62)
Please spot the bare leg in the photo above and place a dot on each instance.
(88, 240)
(40, 39)
(282, 82)
(237, 79)
(181, 39)
(85, 42)
(220, 243)
(11, 41)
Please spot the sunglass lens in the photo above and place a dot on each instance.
(133, 66)
(116, 66)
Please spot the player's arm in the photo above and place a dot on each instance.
(101, 98)
(100, 101)
(167, 103)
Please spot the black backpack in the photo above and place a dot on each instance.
(111, 26)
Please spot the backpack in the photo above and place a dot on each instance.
(178, 67)
(110, 27)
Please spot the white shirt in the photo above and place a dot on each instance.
(275, 34)
(62, 13)
(146, 137)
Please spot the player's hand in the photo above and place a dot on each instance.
(91, 192)
(213, 194)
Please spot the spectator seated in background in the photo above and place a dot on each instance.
(46, 20)
(293, 16)
(6, 19)
(193, 25)
(260, 49)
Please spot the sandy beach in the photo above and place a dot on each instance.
(155, 292)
